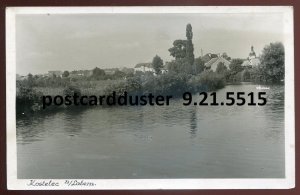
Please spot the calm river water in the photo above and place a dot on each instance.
(173, 141)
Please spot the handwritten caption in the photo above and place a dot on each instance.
(63, 183)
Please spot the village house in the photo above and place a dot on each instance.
(110, 71)
(252, 59)
(144, 67)
(212, 64)
(80, 73)
(147, 67)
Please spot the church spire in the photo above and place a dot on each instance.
(252, 53)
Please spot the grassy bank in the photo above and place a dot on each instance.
(86, 87)
(29, 98)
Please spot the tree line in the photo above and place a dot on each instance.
(185, 73)
(269, 70)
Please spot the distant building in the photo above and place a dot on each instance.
(75, 74)
(252, 59)
(80, 73)
(213, 62)
(110, 71)
(144, 67)
(147, 67)
(57, 73)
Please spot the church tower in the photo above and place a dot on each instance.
(252, 54)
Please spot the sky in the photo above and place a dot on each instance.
(85, 41)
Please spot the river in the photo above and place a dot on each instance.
(173, 141)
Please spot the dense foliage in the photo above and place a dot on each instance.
(184, 49)
(207, 81)
(221, 68)
(185, 74)
(157, 64)
(27, 99)
(236, 65)
(98, 74)
(272, 62)
(189, 45)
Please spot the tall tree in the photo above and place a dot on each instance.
(189, 32)
(272, 62)
(157, 64)
(183, 51)
(189, 45)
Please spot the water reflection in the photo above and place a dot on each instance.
(193, 122)
(72, 119)
(276, 99)
(37, 127)
(157, 141)
(28, 135)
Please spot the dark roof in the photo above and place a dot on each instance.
(208, 57)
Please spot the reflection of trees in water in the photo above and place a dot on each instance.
(140, 119)
(73, 121)
(274, 114)
(28, 130)
(33, 128)
(136, 122)
(129, 118)
(276, 99)
(173, 115)
(193, 122)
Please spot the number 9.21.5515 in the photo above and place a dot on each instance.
(230, 99)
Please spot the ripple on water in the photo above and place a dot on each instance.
(173, 141)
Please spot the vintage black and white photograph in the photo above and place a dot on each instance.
(150, 94)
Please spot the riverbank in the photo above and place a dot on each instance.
(29, 98)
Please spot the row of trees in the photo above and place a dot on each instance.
(56, 81)
(185, 73)
(271, 68)
(99, 74)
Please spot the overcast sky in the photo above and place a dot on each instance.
(75, 42)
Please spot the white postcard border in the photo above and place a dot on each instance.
(22, 184)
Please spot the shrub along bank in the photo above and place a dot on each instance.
(173, 84)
